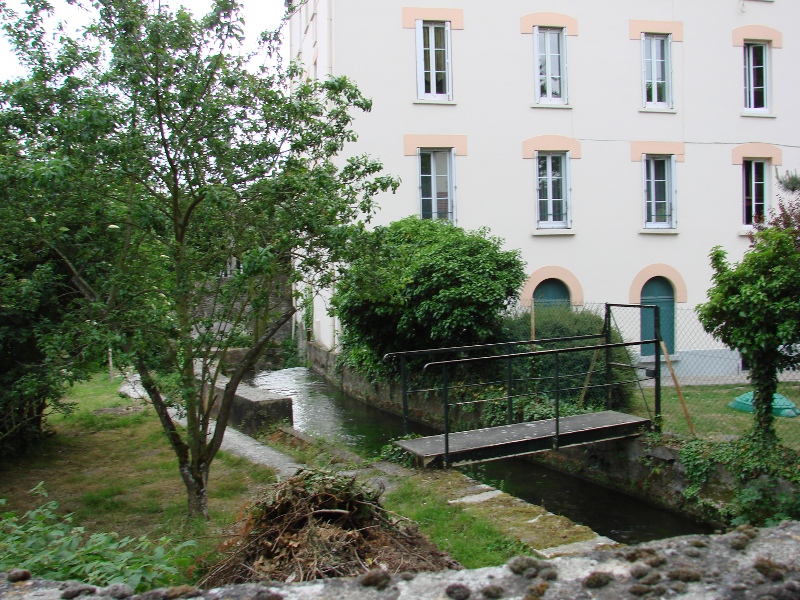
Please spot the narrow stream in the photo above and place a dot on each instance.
(326, 412)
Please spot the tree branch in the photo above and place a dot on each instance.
(247, 363)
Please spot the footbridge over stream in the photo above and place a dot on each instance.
(519, 439)
(530, 396)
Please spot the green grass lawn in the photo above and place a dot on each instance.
(110, 466)
(710, 414)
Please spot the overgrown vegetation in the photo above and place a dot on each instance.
(110, 467)
(35, 365)
(52, 547)
(582, 374)
(759, 497)
(393, 453)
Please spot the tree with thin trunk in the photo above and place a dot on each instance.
(754, 307)
(185, 186)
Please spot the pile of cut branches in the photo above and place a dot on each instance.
(318, 524)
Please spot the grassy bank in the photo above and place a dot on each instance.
(110, 465)
(712, 417)
(475, 534)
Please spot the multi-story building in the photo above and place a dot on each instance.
(614, 143)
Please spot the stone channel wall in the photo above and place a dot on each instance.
(385, 395)
(743, 564)
(253, 409)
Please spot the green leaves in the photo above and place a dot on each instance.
(424, 284)
(176, 194)
(52, 548)
(754, 307)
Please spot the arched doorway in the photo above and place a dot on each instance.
(551, 293)
(658, 291)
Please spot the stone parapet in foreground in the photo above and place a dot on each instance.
(740, 565)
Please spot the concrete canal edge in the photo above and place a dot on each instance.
(545, 533)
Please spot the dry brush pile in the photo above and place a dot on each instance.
(315, 525)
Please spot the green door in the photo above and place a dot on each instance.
(658, 292)
(551, 292)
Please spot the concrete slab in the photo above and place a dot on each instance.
(577, 547)
(476, 498)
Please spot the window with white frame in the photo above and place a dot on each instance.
(754, 191)
(550, 62)
(659, 192)
(436, 189)
(657, 71)
(553, 190)
(434, 72)
(756, 89)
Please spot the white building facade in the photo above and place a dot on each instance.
(614, 143)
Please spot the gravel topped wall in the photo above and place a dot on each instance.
(744, 564)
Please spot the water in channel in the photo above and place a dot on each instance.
(326, 412)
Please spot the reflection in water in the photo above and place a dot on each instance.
(622, 518)
(323, 411)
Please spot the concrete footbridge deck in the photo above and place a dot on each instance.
(523, 438)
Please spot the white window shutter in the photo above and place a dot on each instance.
(536, 187)
(673, 182)
(565, 76)
(420, 61)
(419, 180)
(670, 80)
(449, 61)
(644, 69)
(644, 189)
(568, 188)
(453, 186)
(536, 83)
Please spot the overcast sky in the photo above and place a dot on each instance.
(259, 15)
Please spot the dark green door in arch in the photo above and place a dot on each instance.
(658, 292)
(551, 292)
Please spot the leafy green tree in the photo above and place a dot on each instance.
(787, 214)
(754, 307)
(183, 190)
(425, 284)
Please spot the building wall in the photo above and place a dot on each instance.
(494, 112)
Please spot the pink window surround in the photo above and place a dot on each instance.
(757, 33)
(658, 270)
(554, 272)
(551, 143)
(673, 28)
(757, 150)
(413, 14)
(413, 142)
(677, 149)
(546, 19)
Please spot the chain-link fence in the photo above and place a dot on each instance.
(700, 378)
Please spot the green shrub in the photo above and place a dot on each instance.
(52, 548)
(425, 284)
(558, 321)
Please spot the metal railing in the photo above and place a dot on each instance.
(405, 355)
(557, 390)
(606, 334)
